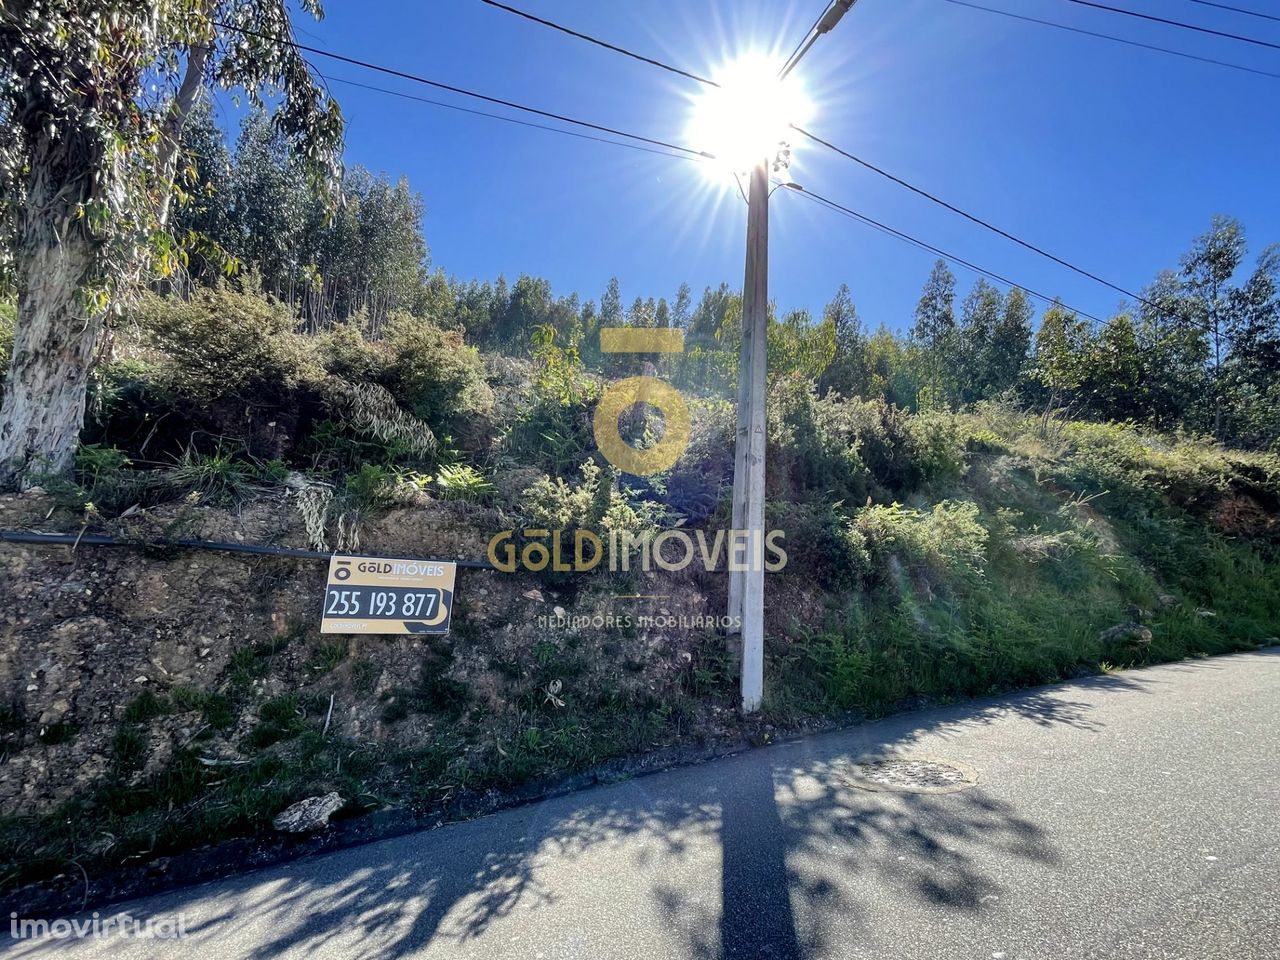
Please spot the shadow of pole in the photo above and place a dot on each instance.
(756, 919)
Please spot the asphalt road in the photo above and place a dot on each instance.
(1132, 815)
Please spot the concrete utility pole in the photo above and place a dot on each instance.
(746, 587)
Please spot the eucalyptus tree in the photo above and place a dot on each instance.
(934, 332)
(979, 317)
(1060, 362)
(1010, 343)
(94, 95)
(1206, 273)
(847, 373)
(1252, 374)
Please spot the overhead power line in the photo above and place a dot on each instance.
(997, 230)
(938, 251)
(882, 227)
(1152, 18)
(968, 216)
(614, 47)
(1247, 13)
(1115, 39)
(683, 152)
(392, 72)
(885, 173)
(598, 42)
(514, 120)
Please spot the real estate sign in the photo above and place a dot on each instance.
(387, 595)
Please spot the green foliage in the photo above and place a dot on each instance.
(221, 477)
(553, 430)
(594, 503)
(215, 708)
(370, 488)
(103, 479)
(885, 442)
(558, 371)
(814, 442)
(463, 482)
(8, 319)
(327, 656)
(698, 482)
(551, 436)
(371, 416)
(800, 348)
(433, 373)
(821, 544)
(96, 463)
(128, 751)
(280, 718)
(60, 731)
(338, 447)
(113, 96)
(947, 539)
(146, 706)
(939, 445)
(225, 345)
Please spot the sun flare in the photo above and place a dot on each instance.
(748, 116)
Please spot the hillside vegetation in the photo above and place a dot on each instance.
(985, 501)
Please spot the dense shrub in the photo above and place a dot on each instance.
(551, 424)
(433, 373)
(939, 444)
(886, 444)
(229, 363)
(821, 545)
(226, 344)
(594, 503)
(814, 444)
(695, 485)
(462, 482)
(947, 539)
(346, 354)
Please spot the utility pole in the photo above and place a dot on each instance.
(746, 586)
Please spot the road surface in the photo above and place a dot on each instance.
(1124, 816)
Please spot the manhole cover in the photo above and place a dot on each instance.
(912, 775)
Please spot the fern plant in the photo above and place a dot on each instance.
(463, 482)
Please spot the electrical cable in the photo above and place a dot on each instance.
(808, 33)
(938, 251)
(599, 43)
(702, 154)
(1175, 23)
(868, 165)
(498, 116)
(1247, 13)
(403, 75)
(968, 216)
(1114, 39)
(261, 550)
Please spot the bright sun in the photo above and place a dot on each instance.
(745, 118)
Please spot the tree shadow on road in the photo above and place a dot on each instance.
(786, 832)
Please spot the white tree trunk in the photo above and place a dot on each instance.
(56, 259)
(44, 393)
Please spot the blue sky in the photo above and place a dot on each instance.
(1110, 156)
